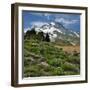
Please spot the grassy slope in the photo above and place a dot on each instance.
(45, 59)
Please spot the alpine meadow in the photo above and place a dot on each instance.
(51, 44)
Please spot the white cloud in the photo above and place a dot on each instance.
(66, 21)
(38, 23)
(47, 15)
(35, 13)
(26, 29)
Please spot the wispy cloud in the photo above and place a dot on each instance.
(46, 15)
(38, 23)
(66, 21)
(34, 13)
(71, 21)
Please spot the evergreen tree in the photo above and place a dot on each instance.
(40, 36)
(30, 34)
(47, 38)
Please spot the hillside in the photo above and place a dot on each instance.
(44, 59)
(51, 50)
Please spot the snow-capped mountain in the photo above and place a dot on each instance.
(57, 32)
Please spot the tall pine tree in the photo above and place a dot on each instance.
(47, 38)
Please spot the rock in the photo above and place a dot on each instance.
(44, 64)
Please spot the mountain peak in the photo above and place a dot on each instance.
(57, 32)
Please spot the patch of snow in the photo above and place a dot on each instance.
(76, 34)
(54, 35)
(52, 39)
(50, 30)
(59, 31)
(73, 43)
(26, 29)
(52, 23)
(37, 30)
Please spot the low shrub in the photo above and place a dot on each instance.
(70, 67)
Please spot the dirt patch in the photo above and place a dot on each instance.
(69, 49)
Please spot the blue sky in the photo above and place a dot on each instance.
(70, 21)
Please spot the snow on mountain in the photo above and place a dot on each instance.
(52, 23)
(57, 31)
(26, 29)
(50, 29)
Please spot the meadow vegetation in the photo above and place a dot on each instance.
(42, 58)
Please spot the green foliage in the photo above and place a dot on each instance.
(30, 34)
(69, 67)
(55, 62)
(57, 71)
(32, 71)
(74, 59)
(42, 58)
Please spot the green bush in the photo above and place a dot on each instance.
(55, 62)
(59, 62)
(70, 67)
(74, 59)
(57, 71)
(70, 73)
